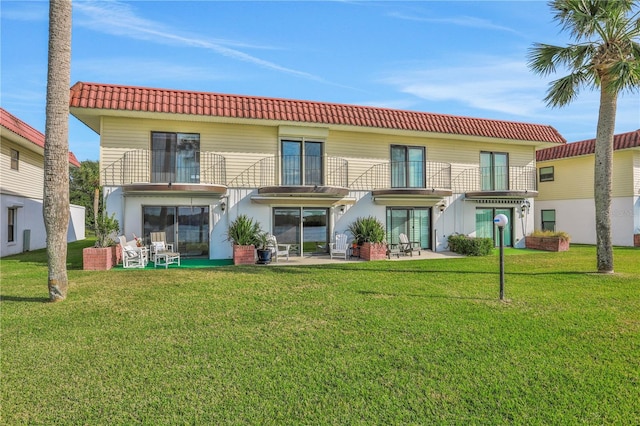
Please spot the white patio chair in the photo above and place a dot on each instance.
(132, 255)
(339, 248)
(159, 237)
(278, 250)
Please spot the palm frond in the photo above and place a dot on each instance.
(564, 90)
(544, 59)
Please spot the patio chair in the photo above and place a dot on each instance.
(278, 250)
(132, 255)
(408, 247)
(159, 237)
(339, 248)
(162, 256)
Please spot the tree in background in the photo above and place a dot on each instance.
(605, 55)
(56, 147)
(84, 190)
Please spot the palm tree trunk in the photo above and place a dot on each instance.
(603, 180)
(56, 147)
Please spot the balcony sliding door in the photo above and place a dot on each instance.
(175, 157)
(407, 167)
(301, 163)
(494, 171)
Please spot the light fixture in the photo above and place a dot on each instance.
(525, 206)
(223, 206)
(442, 205)
(342, 207)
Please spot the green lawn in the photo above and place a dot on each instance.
(412, 342)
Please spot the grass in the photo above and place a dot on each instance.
(412, 342)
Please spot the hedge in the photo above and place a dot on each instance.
(470, 246)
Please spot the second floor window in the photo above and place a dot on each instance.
(301, 163)
(175, 157)
(494, 171)
(407, 166)
(15, 159)
(546, 174)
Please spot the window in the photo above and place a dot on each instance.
(175, 157)
(546, 174)
(11, 221)
(15, 159)
(494, 171)
(407, 167)
(548, 220)
(301, 163)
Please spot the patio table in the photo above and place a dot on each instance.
(166, 258)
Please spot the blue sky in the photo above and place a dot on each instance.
(450, 57)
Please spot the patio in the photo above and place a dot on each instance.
(187, 263)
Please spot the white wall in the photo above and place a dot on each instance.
(29, 216)
(577, 218)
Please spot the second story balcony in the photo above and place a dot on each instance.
(406, 178)
(296, 175)
(497, 182)
(146, 171)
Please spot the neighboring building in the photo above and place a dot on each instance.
(566, 182)
(22, 186)
(188, 163)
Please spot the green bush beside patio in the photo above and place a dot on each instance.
(411, 342)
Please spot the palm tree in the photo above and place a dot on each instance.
(56, 147)
(605, 55)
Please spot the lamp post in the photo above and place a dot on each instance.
(502, 221)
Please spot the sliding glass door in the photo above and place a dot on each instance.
(301, 163)
(186, 227)
(305, 229)
(415, 223)
(485, 228)
(407, 167)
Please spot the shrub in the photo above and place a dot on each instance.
(244, 231)
(367, 230)
(470, 246)
(107, 229)
(558, 234)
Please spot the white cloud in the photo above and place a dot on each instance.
(461, 21)
(119, 19)
(145, 70)
(492, 84)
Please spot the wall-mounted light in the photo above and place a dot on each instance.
(442, 205)
(223, 206)
(524, 208)
(342, 207)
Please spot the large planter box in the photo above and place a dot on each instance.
(373, 251)
(546, 243)
(636, 240)
(99, 258)
(244, 255)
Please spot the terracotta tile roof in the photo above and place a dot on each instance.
(574, 149)
(20, 128)
(127, 98)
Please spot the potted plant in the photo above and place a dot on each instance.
(105, 254)
(243, 233)
(263, 249)
(369, 234)
(548, 240)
